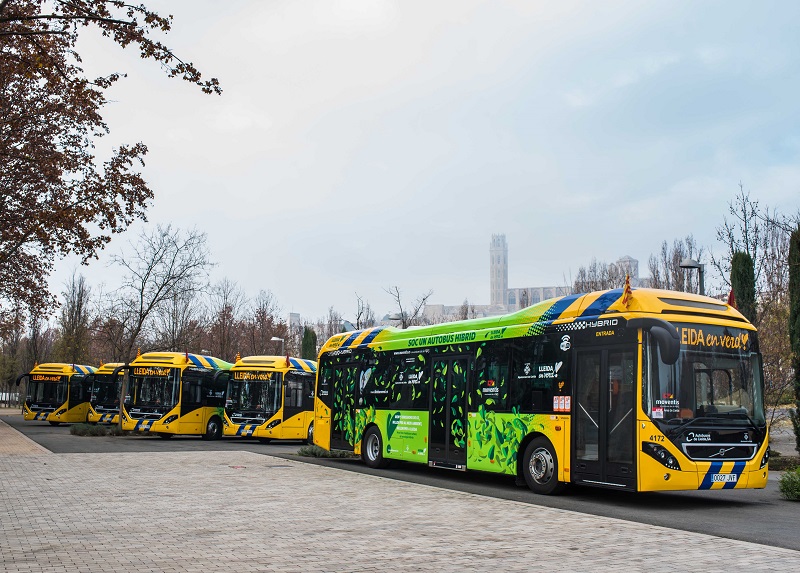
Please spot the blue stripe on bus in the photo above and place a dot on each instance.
(738, 468)
(350, 339)
(708, 480)
(211, 361)
(311, 365)
(371, 336)
(601, 304)
(558, 307)
(295, 364)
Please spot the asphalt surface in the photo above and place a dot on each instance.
(758, 516)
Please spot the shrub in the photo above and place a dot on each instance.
(789, 485)
(317, 452)
(87, 430)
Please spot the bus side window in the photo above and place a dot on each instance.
(492, 379)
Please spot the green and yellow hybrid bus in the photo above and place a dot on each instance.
(169, 393)
(271, 397)
(643, 390)
(57, 392)
(105, 386)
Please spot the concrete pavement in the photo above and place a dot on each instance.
(240, 511)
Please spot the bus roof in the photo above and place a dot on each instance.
(62, 368)
(275, 363)
(180, 359)
(108, 367)
(669, 305)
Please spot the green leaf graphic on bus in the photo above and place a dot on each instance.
(391, 425)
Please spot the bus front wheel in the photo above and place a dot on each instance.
(372, 449)
(310, 435)
(540, 467)
(213, 429)
(54, 423)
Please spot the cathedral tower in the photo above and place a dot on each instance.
(498, 270)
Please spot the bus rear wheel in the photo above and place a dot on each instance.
(310, 435)
(540, 467)
(213, 429)
(372, 449)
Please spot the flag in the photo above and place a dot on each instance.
(627, 293)
(731, 299)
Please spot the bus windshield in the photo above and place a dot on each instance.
(720, 384)
(162, 391)
(255, 392)
(105, 389)
(48, 392)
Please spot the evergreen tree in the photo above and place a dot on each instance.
(309, 346)
(743, 282)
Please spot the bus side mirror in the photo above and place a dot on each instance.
(666, 335)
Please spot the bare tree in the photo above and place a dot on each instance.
(466, 311)
(73, 342)
(225, 307)
(180, 322)
(11, 350)
(743, 232)
(262, 324)
(598, 276)
(165, 262)
(665, 269)
(409, 315)
(365, 317)
(329, 326)
(40, 340)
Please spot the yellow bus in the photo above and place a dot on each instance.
(169, 393)
(639, 390)
(105, 385)
(57, 392)
(271, 397)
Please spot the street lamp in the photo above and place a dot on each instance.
(693, 264)
(276, 339)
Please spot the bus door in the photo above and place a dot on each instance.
(448, 412)
(604, 418)
(298, 398)
(343, 376)
(191, 403)
(78, 400)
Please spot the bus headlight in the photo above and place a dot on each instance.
(765, 459)
(661, 454)
(171, 419)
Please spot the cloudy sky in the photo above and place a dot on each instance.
(360, 145)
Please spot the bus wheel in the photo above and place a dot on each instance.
(165, 435)
(372, 449)
(54, 423)
(213, 430)
(310, 435)
(264, 440)
(540, 467)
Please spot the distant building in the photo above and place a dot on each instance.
(503, 299)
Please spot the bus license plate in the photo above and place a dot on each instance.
(724, 478)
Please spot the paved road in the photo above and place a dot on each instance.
(759, 516)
